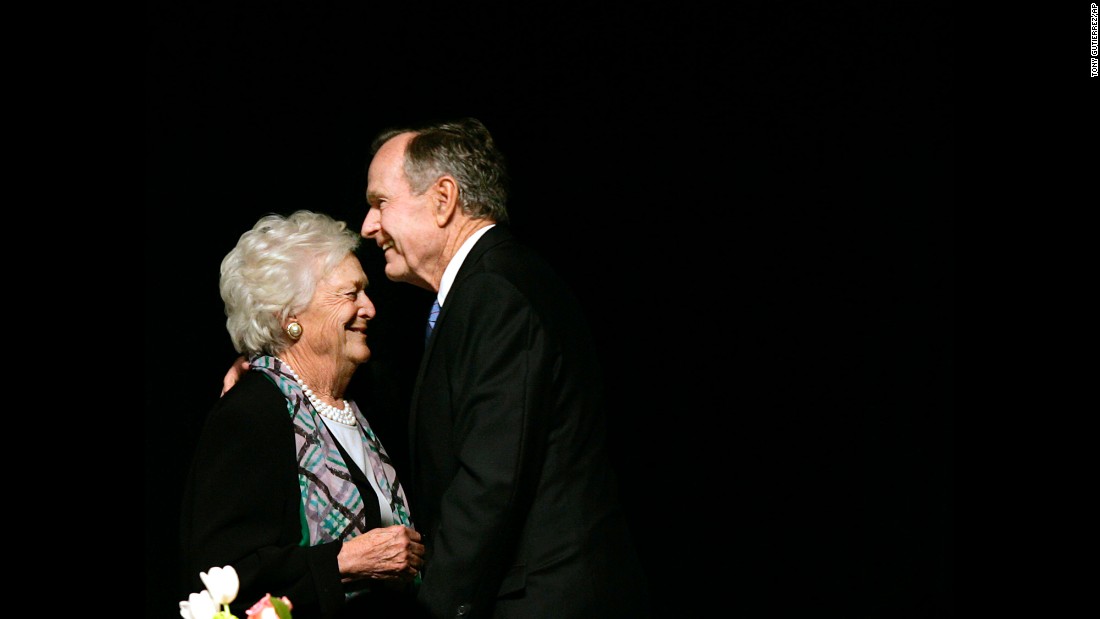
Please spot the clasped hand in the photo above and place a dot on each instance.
(387, 553)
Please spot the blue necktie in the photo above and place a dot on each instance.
(431, 321)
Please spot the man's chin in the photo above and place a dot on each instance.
(401, 274)
(394, 272)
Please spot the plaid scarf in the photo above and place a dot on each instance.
(332, 508)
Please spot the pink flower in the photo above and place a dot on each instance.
(271, 608)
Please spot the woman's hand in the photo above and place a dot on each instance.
(388, 553)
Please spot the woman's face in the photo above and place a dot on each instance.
(334, 325)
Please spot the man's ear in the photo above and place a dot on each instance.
(445, 194)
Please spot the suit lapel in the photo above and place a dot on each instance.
(497, 235)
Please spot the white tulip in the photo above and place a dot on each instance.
(222, 582)
(198, 606)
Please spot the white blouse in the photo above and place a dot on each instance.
(351, 440)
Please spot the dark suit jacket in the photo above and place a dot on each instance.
(241, 508)
(513, 487)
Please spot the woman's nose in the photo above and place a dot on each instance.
(367, 309)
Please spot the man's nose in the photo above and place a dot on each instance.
(370, 224)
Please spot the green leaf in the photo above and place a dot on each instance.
(280, 608)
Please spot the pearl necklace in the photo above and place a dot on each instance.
(327, 411)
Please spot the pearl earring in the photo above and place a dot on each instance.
(294, 330)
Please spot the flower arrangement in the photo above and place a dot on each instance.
(222, 585)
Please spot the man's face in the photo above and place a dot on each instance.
(401, 223)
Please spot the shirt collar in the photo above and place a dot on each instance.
(455, 264)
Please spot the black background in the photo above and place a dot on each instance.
(753, 203)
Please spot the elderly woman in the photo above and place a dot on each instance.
(289, 484)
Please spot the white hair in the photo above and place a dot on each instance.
(273, 272)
